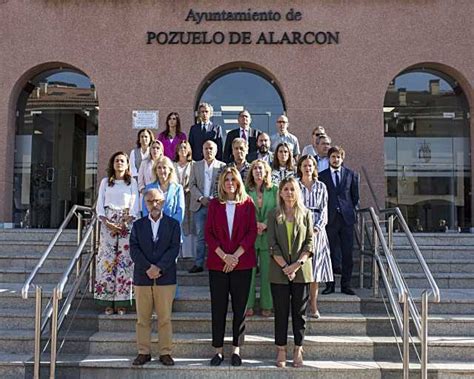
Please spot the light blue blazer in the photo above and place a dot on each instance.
(174, 201)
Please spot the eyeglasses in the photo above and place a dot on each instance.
(281, 122)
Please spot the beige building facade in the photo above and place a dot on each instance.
(391, 81)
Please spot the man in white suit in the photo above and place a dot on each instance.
(202, 183)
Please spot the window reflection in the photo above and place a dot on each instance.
(55, 148)
(427, 150)
(233, 91)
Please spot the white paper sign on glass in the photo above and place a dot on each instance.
(145, 119)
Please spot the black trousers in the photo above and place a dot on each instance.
(237, 284)
(284, 295)
(341, 241)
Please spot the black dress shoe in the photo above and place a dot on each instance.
(141, 359)
(235, 360)
(347, 291)
(167, 360)
(330, 288)
(217, 360)
(195, 269)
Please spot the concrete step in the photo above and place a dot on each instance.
(443, 280)
(120, 366)
(438, 239)
(436, 252)
(45, 275)
(408, 265)
(36, 247)
(37, 235)
(327, 347)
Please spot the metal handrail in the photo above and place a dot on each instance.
(62, 227)
(434, 287)
(59, 315)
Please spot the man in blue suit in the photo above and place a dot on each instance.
(203, 131)
(154, 247)
(343, 198)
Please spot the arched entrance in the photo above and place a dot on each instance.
(427, 151)
(55, 147)
(232, 90)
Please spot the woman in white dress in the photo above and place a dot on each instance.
(183, 163)
(144, 139)
(117, 207)
(315, 198)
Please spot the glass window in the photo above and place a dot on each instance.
(55, 148)
(233, 91)
(427, 151)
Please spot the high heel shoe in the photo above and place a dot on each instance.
(281, 356)
(298, 356)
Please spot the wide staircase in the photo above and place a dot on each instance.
(354, 338)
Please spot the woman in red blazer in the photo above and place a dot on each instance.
(231, 231)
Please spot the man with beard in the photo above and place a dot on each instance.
(343, 198)
(263, 150)
(154, 247)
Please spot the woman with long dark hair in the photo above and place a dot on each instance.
(172, 135)
(144, 139)
(117, 207)
(282, 165)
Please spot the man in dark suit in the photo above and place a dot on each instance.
(204, 131)
(154, 247)
(244, 131)
(263, 150)
(343, 198)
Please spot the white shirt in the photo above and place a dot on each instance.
(289, 138)
(144, 155)
(208, 178)
(119, 196)
(309, 150)
(155, 225)
(333, 175)
(145, 174)
(230, 213)
(323, 163)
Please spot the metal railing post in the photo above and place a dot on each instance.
(54, 333)
(79, 238)
(390, 233)
(37, 357)
(406, 340)
(375, 267)
(362, 251)
(424, 337)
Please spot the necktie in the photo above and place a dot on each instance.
(244, 136)
(204, 127)
(336, 173)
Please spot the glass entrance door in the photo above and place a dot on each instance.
(55, 152)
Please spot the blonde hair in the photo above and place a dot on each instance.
(299, 167)
(298, 208)
(240, 194)
(267, 178)
(168, 163)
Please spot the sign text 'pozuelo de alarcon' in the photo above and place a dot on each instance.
(294, 37)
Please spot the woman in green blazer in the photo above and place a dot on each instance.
(264, 195)
(290, 242)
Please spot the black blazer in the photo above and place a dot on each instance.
(162, 253)
(235, 133)
(197, 138)
(345, 197)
